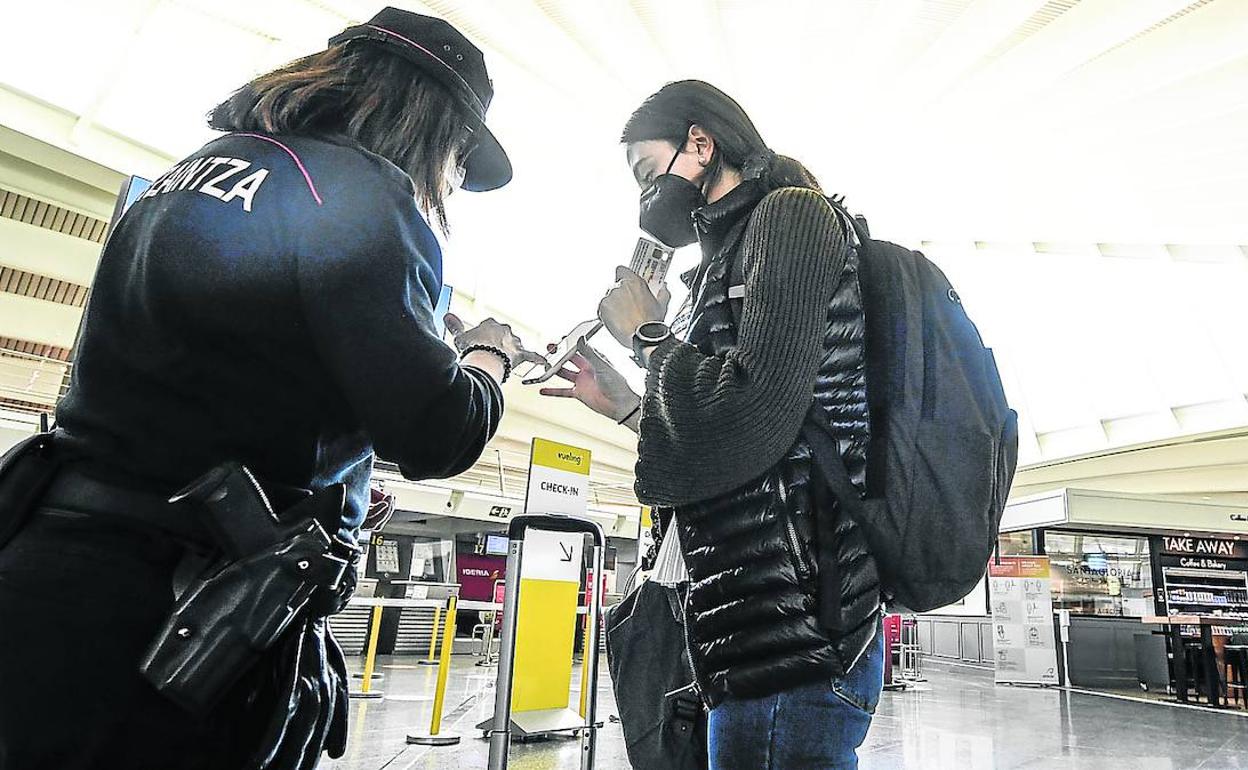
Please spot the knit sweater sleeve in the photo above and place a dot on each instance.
(712, 423)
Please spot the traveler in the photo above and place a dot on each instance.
(773, 326)
(268, 301)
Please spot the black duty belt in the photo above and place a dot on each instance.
(75, 492)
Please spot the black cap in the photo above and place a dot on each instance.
(443, 52)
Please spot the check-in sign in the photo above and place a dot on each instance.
(558, 479)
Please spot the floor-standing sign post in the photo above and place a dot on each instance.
(545, 564)
(1024, 648)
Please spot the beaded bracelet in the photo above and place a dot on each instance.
(506, 359)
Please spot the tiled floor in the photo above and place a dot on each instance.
(957, 720)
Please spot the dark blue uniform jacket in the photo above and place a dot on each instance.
(270, 300)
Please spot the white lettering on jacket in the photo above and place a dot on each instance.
(209, 176)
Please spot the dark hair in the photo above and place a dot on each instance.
(669, 114)
(382, 101)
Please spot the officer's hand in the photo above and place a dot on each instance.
(494, 334)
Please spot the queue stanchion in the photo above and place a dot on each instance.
(439, 694)
(370, 659)
(432, 660)
(589, 662)
(549, 534)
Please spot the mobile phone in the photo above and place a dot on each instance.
(564, 350)
(441, 309)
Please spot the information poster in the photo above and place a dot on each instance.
(1024, 647)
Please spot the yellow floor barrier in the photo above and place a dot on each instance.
(432, 660)
(370, 659)
(439, 694)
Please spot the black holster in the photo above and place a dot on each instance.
(273, 580)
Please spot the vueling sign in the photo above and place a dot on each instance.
(561, 457)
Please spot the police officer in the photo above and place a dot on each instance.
(270, 301)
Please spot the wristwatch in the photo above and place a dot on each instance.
(648, 335)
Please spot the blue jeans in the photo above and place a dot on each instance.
(818, 726)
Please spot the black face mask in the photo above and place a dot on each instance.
(667, 207)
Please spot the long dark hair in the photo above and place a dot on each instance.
(382, 101)
(670, 112)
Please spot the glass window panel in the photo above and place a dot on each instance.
(1017, 543)
(1105, 575)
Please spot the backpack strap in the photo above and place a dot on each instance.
(857, 226)
(832, 470)
(831, 465)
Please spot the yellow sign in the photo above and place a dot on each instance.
(544, 635)
(558, 479)
(560, 457)
(546, 623)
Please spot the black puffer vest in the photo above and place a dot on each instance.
(753, 603)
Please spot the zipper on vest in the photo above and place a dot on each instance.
(795, 546)
(693, 668)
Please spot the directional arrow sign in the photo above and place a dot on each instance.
(552, 555)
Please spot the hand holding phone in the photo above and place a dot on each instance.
(564, 350)
(495, 334)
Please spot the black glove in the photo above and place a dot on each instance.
(296, 700)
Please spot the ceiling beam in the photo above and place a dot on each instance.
(35, 320)
(37, 250)
(26, 114)
(1081, 33)
(978, 30)
(1209, 37)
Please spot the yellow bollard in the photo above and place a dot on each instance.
(444, 668)
(370, 659)
(432, 660)
(439, 694)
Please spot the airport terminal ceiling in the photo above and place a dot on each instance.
(1078, 167)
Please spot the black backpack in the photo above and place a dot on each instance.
(944, 442)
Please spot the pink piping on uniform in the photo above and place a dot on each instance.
(435, 57)
(306, 177)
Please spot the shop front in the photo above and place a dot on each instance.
(1116, 560)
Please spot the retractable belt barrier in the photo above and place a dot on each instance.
(544, 568)
(445, 609)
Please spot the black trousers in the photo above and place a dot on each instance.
(81, 597)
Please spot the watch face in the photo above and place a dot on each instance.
(653, 330)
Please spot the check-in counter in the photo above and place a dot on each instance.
(404, 631)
